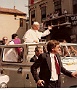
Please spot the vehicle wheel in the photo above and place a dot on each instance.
(74, 86)
(3, 85)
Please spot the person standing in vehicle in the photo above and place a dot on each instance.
(33, 35)
(38, 51)
(50, 67)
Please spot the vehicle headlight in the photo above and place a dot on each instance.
(3, 85)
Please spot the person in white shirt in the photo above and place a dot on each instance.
(33, 35)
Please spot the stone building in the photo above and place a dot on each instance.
(42, 10)
(12, 21)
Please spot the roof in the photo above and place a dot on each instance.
(11, 11)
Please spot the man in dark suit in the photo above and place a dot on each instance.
(38, 51)
(50, 67)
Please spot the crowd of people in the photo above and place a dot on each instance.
(56, 14)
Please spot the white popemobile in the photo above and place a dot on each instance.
(19, 70)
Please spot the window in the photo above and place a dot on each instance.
(57, 6)
(75, 6)
(43, 13)
(21, 22)
(32, 16)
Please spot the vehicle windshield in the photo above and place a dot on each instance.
(12, 54)
(20, 53)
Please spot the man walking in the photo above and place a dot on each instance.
(50, 67)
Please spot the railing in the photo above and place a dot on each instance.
(8, 53)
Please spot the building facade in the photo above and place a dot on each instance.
(41, 10)
(12, 21)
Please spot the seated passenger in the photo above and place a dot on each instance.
(5, 40)
(38, 51)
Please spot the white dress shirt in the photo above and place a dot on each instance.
(32, 35)
(54, 75)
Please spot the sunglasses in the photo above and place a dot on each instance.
(5, 39)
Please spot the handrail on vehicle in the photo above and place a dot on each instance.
(25, 54)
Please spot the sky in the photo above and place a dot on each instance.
(19, 4)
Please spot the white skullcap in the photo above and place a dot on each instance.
(36, 23)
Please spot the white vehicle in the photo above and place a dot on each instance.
(18, 70)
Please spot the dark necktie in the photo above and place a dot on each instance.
(57, 65)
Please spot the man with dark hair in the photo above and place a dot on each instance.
(50, 67)
(14, 36)
(38, 51)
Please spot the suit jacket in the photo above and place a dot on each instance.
(33, 59)
(44, 62)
